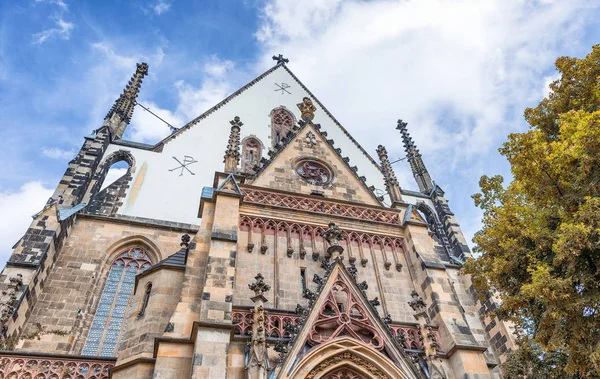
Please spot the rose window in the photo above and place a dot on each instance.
(314, 172)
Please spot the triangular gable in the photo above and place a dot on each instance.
(230, 185)
(339, 315)
(176, 133)
(288, 169)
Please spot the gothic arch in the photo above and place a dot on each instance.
(252, 148)
(107, 201)
(136, 240)
(282, 122)
(345, 353)
(125, 259)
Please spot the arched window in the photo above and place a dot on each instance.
(146, 299)
(110, 320)
(251, 152)
(282, 121)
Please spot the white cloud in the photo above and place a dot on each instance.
(160, 7)
(56, 153)
(60, 3)
(423, 61)
(547, 81)
(217, 67)
(16, 209)
(459, 72)
(62, 31)
(147, 128)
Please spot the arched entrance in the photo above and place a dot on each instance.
(346, 358)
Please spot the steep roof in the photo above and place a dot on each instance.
(281, 65)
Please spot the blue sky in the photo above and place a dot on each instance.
(459, 72)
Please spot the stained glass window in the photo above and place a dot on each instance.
(110, 320)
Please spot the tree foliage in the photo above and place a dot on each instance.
(540, 242)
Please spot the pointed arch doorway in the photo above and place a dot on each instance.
(346, 358)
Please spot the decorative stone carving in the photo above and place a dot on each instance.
(8, 299)
(324, 366)
(53, 367)
(387, 265)
(259, 286)
(375, 302)
(263, 249)
(307, 109)
(290, 252)
(232, 153)
(416, 161)
(417, 303)
(250, 246)
(391, 182)
(310, 139)
(185, 241)
(333, 235)
(302, 253)
(398, 267)
(315, 256)
(257, 364)
(363, 262)
(318, 280)
(342, 313)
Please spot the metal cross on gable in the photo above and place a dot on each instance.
(187, 160)
(280, 59)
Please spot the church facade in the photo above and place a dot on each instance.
(295, 254)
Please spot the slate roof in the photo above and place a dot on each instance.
(178, 259)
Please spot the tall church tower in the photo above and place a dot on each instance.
(280, 260)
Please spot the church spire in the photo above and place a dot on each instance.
(391, 183)
(416, 162)
(232, 153)
(120, 114)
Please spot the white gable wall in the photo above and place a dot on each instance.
(158, 193)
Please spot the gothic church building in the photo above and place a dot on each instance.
(295, 254)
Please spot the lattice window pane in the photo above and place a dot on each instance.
(111, 315)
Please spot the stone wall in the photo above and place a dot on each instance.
(71, 292)
(142, 329)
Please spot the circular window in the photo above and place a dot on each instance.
(314, 172)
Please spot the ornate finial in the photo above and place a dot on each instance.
(232, 153)
(391, 183)
(259, 287)
(280, 59)
(120, 114)
(257, 364)
(414, 158)
(417, 303)
(185, 241)
(307, 108)
(333, 235)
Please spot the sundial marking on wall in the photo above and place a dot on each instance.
(283, 88)
(187, 160)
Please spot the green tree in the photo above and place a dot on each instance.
(540, 241)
